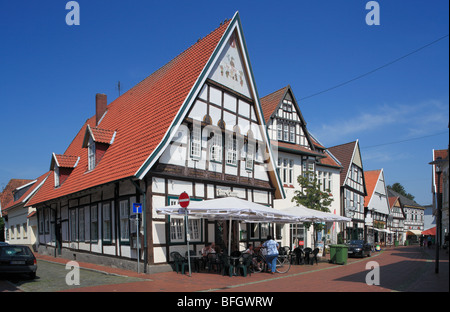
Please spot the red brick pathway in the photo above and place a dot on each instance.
(401, 269)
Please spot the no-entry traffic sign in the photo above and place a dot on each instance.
(184, 200)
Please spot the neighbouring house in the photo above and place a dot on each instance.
(398, 219)
(7, 196)
(429, 219)
(298, 152)
(441, 194)
(414, 217)
(196, 126)
(352, 188)
(22, 221)
(376, 205)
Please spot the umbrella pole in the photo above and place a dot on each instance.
(229, 238)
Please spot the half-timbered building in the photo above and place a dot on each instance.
(298, 153)
(376, 205)
(195, 126)
(398, 219)
(353, 188)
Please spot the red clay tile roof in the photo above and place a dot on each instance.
(141, 117)
(371, 177)
(6, 196)
(443, 154)
(66, 161)
(102, 135)
(295, 148)
(344, 154)
(392, 200)
(270, 102)
(327, 160)
(28, 193)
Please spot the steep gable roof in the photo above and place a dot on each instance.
(141, 117)
(344, 154)
(443, 154)
(29, 193)
(371, 177)
(404, 200)
(270, 102)
(145, 117)
(6, 196)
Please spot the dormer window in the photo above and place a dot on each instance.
(62, 166)
(91, 154)
(56, 173)
(97, 141)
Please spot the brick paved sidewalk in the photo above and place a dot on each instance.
(406, 268)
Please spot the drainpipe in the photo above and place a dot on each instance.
(144, 223)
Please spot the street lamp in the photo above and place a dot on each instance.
(438, 169)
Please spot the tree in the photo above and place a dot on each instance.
(311, 196)
(397, 187)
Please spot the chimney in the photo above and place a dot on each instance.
(100, 106)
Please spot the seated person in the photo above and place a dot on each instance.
(205, 250)
(255, 261)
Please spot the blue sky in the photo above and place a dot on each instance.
(50, 72)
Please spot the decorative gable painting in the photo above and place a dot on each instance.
(229, 71)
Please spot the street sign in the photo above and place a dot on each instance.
(137, 208)
(184, 200)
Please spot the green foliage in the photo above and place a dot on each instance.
(397, 187)
(311, 196)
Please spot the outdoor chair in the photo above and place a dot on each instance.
(179, 260)
(314, 255)
(307, 252)
(214, 261)
(297, 256)
(227, 265)
(247, 260)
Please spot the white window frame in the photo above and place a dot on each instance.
(91, 154)
(279, 130)
(231, 156)
(195, 151)
(81, 224)
(56, 173)
(215, 149)
(124, 217)
(106, 222)
(73, 225)
(250, 156)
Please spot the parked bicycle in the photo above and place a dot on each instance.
(260, 263)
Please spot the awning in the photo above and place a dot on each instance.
(312, 215)
(414, 232)
(431, 231)
(232, 208)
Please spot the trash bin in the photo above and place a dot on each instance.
(396, 243)
(406, 242)
(332, 253)
(338, 254)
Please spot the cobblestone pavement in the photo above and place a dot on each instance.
(406, 269)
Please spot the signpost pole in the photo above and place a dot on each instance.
(184, 200)
(188, 239)
(137, 209)
(137, 240)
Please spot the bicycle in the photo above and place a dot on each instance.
(283, 262)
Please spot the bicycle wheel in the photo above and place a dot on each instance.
(261, 261)
(283, 264)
